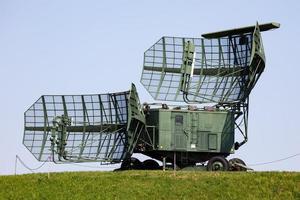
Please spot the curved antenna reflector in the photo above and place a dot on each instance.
(224, 71)
(82, 128)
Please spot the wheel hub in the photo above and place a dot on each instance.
(218, 166)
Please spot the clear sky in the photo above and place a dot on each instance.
(79, 47)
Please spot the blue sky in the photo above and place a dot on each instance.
(79, 47)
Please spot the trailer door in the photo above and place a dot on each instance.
(179, 131)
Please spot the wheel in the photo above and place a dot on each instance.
(217, 163)
(131, 163)
(150, 164)
(234, 167)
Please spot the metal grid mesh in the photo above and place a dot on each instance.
(219, 73)
(97, 131)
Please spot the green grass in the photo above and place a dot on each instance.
(152, 185)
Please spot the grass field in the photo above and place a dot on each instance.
(152, 185)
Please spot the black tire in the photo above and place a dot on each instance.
(150, 164)
(131, 163)
(217, 163)
(233, 167)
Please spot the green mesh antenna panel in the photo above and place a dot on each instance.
(99, 128)
(223, 67)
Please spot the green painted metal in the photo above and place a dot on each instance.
(45, 135)
(84, 128)
(187, 65)
(221, 68)
(240, 31)
(225, 70)
(136, 120)
(193, 131)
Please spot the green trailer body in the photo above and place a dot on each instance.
(194, 135)
(192, 131)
